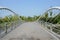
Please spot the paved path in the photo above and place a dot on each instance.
(28, 31)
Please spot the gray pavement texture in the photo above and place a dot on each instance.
(28, 31)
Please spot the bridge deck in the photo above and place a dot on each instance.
(28, 31)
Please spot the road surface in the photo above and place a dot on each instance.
(28, 31)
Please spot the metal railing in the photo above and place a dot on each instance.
(52, 28)
(8, 27)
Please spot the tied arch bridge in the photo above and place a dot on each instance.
(37, 30)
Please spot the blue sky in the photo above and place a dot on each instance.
(29, 7)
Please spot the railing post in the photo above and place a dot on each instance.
(51, 26)
(12, 26)
(51, 29)
(6, 28)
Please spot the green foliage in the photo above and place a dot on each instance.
(46, 15)
(54, 20)
(51, 13)
(29, 19)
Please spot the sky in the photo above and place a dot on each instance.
(29, 7)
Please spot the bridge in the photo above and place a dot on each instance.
(37, 30)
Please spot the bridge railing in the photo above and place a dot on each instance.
(52, 28)
(8, 27)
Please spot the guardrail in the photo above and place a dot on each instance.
(51, 28)
(8, 27)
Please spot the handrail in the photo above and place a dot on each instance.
(46, 24)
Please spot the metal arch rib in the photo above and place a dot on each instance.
(4, 8)
(58, 8)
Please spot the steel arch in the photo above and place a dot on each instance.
(57, 8)
(4, 8)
